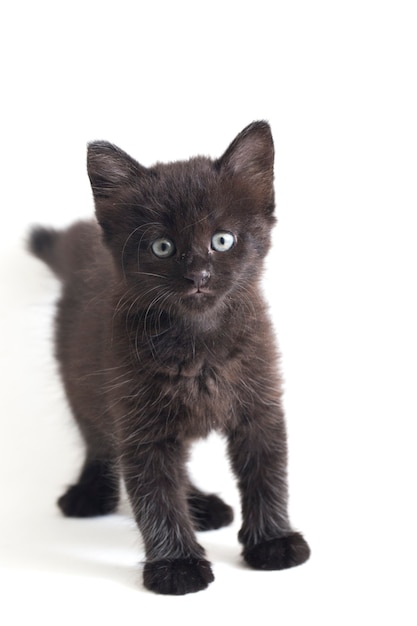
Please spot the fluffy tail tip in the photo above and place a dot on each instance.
(41, 241)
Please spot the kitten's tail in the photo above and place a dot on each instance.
(43, 243)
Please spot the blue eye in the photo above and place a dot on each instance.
(222, 241)
(163, 247)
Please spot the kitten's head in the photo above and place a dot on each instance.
(187, 236)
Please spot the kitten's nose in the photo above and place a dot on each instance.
(199, 278)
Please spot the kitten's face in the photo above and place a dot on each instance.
(187, 235)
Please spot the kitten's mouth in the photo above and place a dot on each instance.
(199, 298)
(198, 291)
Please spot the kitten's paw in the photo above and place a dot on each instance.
(84, 501)
(178, 576)
(209, 512)
(279, 553)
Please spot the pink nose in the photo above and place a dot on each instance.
(199, 278)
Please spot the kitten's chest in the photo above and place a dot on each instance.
(202, 396)
(197, 384)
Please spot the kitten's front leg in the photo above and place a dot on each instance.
(157, 486)
(258, 453)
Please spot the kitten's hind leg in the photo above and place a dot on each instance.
(96, 493)
(208, 511)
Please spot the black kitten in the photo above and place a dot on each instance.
(162, 336)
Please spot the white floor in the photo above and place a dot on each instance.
(337, 82)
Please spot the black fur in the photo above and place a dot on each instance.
(278, 553)
(177, 577)
(96, 493)
(163, 336)
(208, 512)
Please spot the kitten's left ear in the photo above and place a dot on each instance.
(113, 175)
(251, 155)
(110, 168)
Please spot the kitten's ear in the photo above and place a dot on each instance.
(110, 169)
(115, 177)
(251, 155)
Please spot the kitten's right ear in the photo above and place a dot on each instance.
(251, 154)
(250, 160)
(110, 169)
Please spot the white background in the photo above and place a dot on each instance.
(167, 80)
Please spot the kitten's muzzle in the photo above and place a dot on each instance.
(199, 278)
